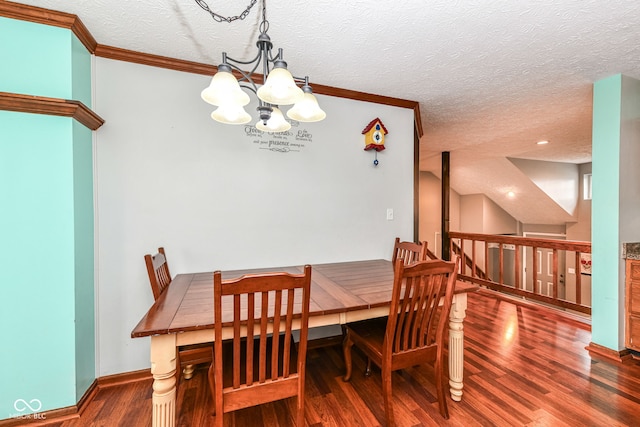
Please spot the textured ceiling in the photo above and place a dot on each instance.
(492, 77)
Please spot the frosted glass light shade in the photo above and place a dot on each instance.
(307, 110)
(231, 114)
(276, 123)
(280, 88)
(224, 89)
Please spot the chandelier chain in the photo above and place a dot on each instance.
(219, 18)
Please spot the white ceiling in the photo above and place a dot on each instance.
(492, 77)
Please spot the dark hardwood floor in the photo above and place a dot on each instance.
(524, 366)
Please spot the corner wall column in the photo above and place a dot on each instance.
(616, 183)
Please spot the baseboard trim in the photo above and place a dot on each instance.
(87, 397)
(124, 378)
(597, 351)
(56, 416)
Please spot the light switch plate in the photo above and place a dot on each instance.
(389, 214)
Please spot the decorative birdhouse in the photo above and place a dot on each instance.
(374, 134)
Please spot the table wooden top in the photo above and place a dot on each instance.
(187, 304)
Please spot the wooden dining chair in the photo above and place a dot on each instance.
(409, 252)
(160, 278)
(414, 332)
(260, 362)
(158, 271)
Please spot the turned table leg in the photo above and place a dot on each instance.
(456, 345)
(163, 369)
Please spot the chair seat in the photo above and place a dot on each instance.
(371, 331)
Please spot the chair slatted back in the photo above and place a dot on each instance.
(420, 305)
(261, 357)
(409, 252)
(158, 271)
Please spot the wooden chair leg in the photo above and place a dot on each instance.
(211, 382)
(387, 395)
(441, 388)
(218, 412)
(300, 398)
(300, 407)
(346, 348)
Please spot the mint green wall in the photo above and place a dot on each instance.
(80, 72)
(45, 61)
(46, 223)
(606, 329)
(37, 251)
(83, 221)
(84, 258)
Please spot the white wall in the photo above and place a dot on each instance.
(629, 159)
(581, 229)
(167, 175)
(479, 214)
(430, 214)
(629, 220)
(496, 220)
(472, 213)
(558, 180)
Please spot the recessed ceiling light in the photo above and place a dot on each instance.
(542, 142)
(511, 194)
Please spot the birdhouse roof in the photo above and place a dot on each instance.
(373, 122)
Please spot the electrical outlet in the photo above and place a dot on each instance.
(389, 214)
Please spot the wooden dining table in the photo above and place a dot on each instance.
(340, 293)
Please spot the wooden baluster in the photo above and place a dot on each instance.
(534, 275)
(517, 267)
(463, 257)
(486, 259)
(578, 279)
(556, 282)
(473, 259)
(501, 263)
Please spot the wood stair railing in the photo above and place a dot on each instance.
(561, 259)
(478, 272)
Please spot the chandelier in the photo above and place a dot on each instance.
(279, 86)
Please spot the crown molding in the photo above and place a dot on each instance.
(39, 15)
(72, 22)
(119, 54)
